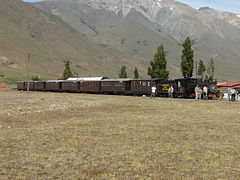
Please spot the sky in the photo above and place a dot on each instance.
(226, 5)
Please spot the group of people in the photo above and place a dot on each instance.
(170, 91)
(233, 94)
(201, 93)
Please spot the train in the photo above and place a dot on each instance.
(183, 87)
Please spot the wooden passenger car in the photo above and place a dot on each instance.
(54, 85)
(31, 85)
(39, 85)
(90, 86)
(116, 86)
(70, 86)
(21, 85)
(142, 87)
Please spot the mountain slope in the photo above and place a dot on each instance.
(229, 17)
(137, 26)
(110, 29)
(49, 40)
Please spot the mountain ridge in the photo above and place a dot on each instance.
(211, 35)
(49, 41)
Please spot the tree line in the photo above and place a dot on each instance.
(158, 66)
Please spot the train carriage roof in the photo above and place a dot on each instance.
(87, 79)
(55, 81)
(120, 80)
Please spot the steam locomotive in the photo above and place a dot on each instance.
(183, 87)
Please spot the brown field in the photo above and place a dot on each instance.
(82, 136)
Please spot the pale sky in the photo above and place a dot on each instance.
(227, 5)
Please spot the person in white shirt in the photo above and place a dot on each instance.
(196, 92)
(233, 94)
(153, 91)
(205, 93)
(172, 91)
(229, 94)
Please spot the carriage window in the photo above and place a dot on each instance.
(148, 83)
(144, 84)
(140, 83)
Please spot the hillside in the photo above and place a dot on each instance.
(229, 17)
(136, 27)
(49, 41)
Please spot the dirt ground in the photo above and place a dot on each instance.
(82, 136)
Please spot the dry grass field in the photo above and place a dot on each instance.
(82, 136)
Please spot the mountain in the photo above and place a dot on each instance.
(136, 27)
(109, 29)
(229, 17)
(49, 41)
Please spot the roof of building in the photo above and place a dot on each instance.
(228, 84)
(3, 85)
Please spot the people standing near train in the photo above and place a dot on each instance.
(196, 92)
(238, 95)
(205, 93)
(153, 91)
(169, 91)
(172, 91)
(200, 93)
(229, 94)
(233, 92)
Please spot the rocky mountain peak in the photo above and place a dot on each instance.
(229, 17)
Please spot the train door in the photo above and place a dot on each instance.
(60, 86)
(44, 86)
(127, 85)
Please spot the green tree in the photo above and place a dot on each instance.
(35, 78)
(123, 72)
(211, 69)
(187, 62)
(158, 65)
(136, 74)
(67, 71)
(201, 69)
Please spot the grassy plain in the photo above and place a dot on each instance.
(82, 136)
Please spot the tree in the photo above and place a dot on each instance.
(67, 71)
(187, 62)
(35, 78)
(211, 69)
(136, 74)
(201, 69)
(123, 73)
(158, 65)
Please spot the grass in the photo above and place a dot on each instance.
(82, 136)
(8, 80)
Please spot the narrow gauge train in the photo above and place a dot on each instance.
(183, 87)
